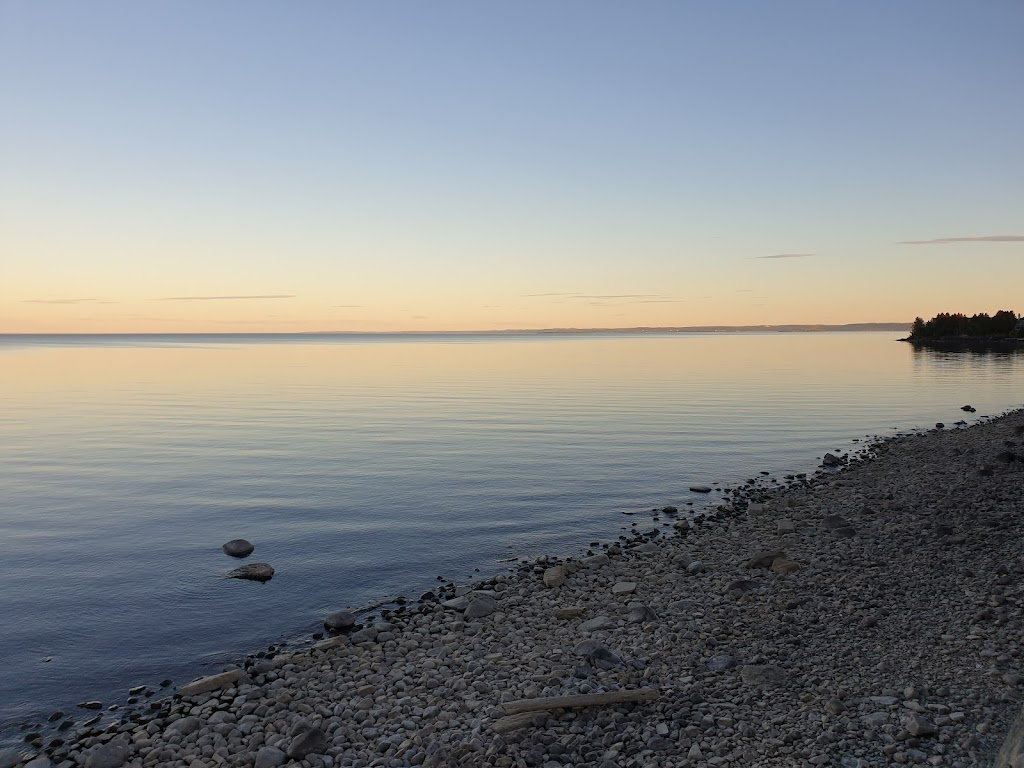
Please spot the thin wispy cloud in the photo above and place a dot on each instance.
(348, 306)
(536, 295)
(785, 256)
(56, 301)
(229, 298)
(979, 239)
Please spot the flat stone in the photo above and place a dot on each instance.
(701, 488)
(624, 588)
(213, 682)
(785, 527)
(596, 561)
(39, 762)
(107, 756)
(756, 510)
(456, 603)
(10, 757)
(720, 663)
(555, 577)
(253, 572)
(238, 548)
(597, 623)
(480, 606)
(647, 548)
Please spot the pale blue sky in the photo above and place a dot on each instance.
(391, 165)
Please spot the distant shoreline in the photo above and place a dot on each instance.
(701, 329)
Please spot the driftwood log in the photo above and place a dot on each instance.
(520, 714)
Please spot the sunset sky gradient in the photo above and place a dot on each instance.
(383, 166)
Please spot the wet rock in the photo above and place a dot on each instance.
(340, 621)
(831, 460)
(253, 572)
(238, 548)
(701, 488)
(10, 757)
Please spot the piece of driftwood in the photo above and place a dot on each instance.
(582, 700)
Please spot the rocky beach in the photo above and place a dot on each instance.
(870, 615)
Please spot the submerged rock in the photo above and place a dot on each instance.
(253, 572)
(340, 620)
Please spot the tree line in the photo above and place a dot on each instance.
(1002, 324)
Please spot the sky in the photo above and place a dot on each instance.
(259, 166)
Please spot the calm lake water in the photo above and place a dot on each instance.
(363, 467)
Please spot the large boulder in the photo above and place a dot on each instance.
(480, 606)
(555, 577)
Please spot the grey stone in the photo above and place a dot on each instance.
(185, 725)
(596, 561)
(365, 635)
(919, 725)
(107, 756)
(238, 548)
(10, 757)
(624, 588)
(700, 488)
(270, 757)
(555, 577)
(480, 606)
(785, 527)
(456, 603)
(695, 567)
(39, 762)
(310, 742)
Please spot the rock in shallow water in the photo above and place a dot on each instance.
(253, 572)
(340, 620)
(238, 548)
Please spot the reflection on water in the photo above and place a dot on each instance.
(362, 467)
